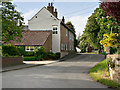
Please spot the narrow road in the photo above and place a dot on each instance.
(72, 73)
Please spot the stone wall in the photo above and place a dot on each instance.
(10, 61)
(115, 71)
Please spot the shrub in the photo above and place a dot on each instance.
(21, 50)
(9, 50)
(58, 55)
(29, 54)
(29, 58)
(39, 51)
(111, 63)
(113, 50)
(39, 58)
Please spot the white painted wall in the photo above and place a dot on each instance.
(45, 21)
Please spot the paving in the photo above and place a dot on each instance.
(71, 73)
(28, 64)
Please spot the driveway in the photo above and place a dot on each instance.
(72, 73)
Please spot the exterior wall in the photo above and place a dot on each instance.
(10, 61)
(48, 43)
(115, 72)
(45, 21)
(67, 41)
(64, 43)
(71, 42)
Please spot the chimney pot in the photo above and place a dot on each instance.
(55, 9)
(48, 4)
(51, 4)
(63, 19)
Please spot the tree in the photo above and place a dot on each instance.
(111, 9)
(11, 22)
(91, 31)
(71, 26)
(111, 40)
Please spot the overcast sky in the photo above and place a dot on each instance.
(77, 12)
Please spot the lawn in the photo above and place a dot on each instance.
(100, 74)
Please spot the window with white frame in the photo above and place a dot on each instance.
(29, 48)
(66, 33)
(55, 30)
(66, 47)
(72, 47)
(61, 46)
(70, 36)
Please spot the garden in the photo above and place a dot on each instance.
(38, 54)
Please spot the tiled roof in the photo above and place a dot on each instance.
(33, 38)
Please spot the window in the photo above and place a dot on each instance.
(61, 46)
(70, 36)
(55, 31)
(66, 46)
(72, 47)
(29, 48)
(66, 33)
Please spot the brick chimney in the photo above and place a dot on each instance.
(50, 8)
(63, 19)
(55, 13)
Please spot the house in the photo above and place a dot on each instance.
(45, 29)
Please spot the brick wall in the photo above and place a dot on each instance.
(115, 72)
(48, 43)
(10, 61)
(64, 39)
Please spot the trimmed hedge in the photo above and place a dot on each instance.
(29, 58)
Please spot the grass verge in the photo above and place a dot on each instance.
(100, 74)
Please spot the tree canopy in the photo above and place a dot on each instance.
(111, 9)
(11, 22)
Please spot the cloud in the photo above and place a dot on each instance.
(79, 22)
(28, 15)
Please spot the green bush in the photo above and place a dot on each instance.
(58, 55)
(39, 51)
(113, 50)
(39, 58)
(21, 50)
(29, 54)
(29, 58)
(9, 50)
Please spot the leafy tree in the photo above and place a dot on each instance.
(90, 34)
(111, 9)
(111, 40)
(70, 25)
(82, 45)
(11, 22)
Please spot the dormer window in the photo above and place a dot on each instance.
(55, 30)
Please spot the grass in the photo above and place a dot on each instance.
(100, 74)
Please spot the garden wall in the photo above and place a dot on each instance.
(10, 61)
(115, 72)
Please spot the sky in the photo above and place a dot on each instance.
(75, 11)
